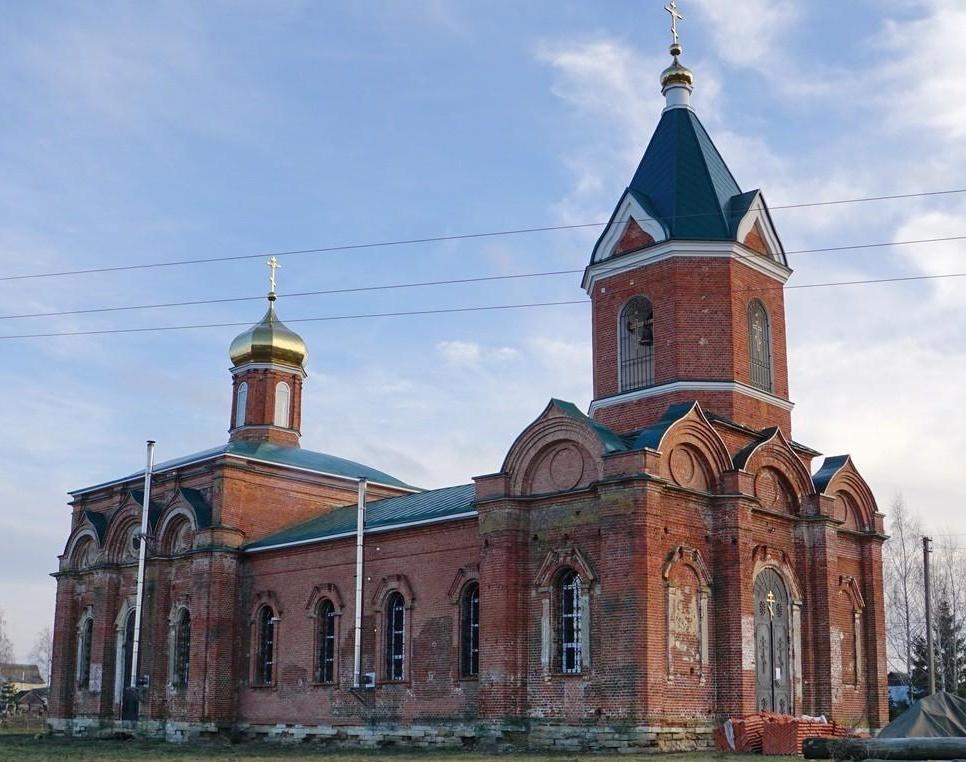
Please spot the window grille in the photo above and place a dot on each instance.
(325, 644)
(395, 637)
(470, 641)
(636, 345)
(570, 630)
(759, 346)
(84, 660)
(266, 646)
(182, 649)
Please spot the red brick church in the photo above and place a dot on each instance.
(627, 578)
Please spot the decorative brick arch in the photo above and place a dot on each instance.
(558, 560)
(774, 458)
(838, 478)
(693, 454)
(119, 532)
(83, 538)
(852, 633)
(686, 610)
(171, 526)
(555, 453)
(464, 576)
(393, 583)
(325, 591)
(265, 598)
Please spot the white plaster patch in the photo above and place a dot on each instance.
(748, 642)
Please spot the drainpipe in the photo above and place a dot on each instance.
(142, 559)
(360, 527)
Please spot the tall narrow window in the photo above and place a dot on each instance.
(325, 642)
(265, 656)
(84, 653)
(470, 631)
(241, 403)
(759, 346)
(636, 345)
(395, 637)
(283, 395)
(182, 649)
(571, 647)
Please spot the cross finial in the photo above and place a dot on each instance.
(672, 8)
(273, 265)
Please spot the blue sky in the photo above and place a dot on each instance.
(138, 133)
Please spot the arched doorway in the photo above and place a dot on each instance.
(773, 682)
(129, 695)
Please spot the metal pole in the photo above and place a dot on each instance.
(926, 551)
(142, 558)
(360, 527)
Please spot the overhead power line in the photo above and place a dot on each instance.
(442, 238)
(477, 279)
(485, 308)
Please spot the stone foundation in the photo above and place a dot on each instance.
(532, 736)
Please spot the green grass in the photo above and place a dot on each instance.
(14, 748)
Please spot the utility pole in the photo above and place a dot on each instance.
(926, 552)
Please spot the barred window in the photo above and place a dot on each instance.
(325, 642)
(265, 655)
(636, 345)
(395, 637)
(759, 346)
(241, 404)
(571, 647)
(470, 631)
(84, 653)
(182, 649)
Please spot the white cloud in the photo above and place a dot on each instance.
(750, 32)
(470, 353)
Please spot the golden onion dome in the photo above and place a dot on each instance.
(676, 74)
(269, 341)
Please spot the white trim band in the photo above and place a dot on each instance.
(691, 386)
(684, 249)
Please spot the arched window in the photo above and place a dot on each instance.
(570, 633)
(395, 637)
(182, 649)
(265, 654)
(759, 346)
(283, 395)
(241, 404)
(84, 644)
(470, 631)
(325, 642)
(636, 345)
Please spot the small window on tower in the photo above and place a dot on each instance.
(636, 345)
(759, 346)
(241, 403)
(283, 397)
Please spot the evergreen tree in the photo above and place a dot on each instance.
(949, 654)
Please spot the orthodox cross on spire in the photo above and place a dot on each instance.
(273, 265)
(672, 8)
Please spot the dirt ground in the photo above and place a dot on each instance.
(16, 747)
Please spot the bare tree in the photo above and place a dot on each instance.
(950, 568)
(905, 610)
(41, 653)
(6, 645)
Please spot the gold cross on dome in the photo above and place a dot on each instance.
(772, 600)
(672, 8)
(273, 265)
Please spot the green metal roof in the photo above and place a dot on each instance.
(686, 181)
(293, 457)
(381, 515)
(610, 441)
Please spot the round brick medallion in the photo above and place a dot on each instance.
(566, 468)
(682, 466)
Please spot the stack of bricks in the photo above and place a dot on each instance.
(747, 735)
(784, 735)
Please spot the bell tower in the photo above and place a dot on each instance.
(268, 367)
(687, 284)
